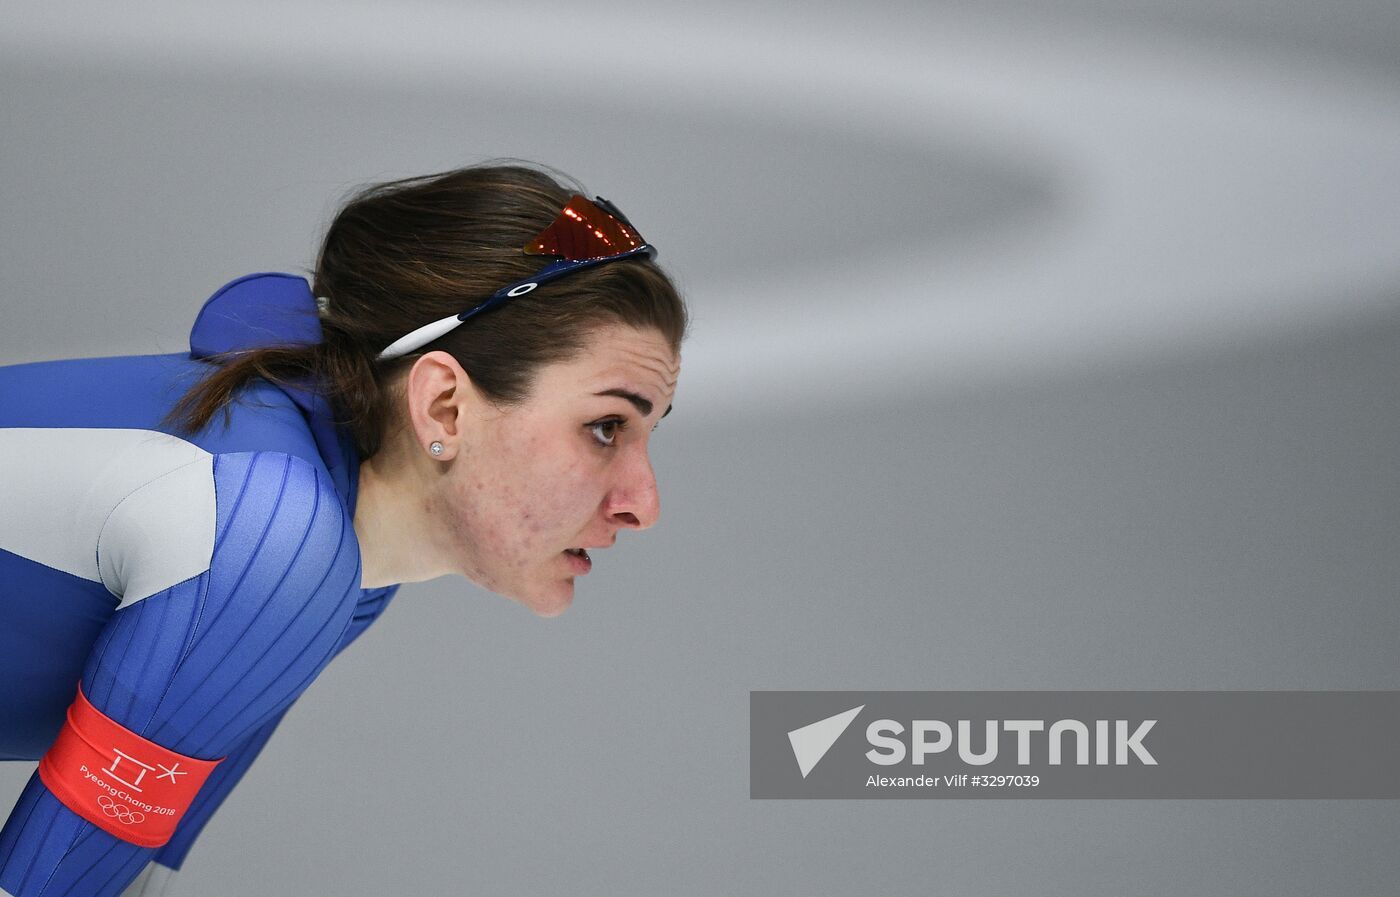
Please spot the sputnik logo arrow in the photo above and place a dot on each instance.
(811, 742)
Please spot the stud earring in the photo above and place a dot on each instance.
(435, 448)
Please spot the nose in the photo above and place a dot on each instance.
(634, 501)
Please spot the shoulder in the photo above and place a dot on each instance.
(277, 497)
(280, 525)
(138, 511)
(253, 521)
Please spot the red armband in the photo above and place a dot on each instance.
(129, 787)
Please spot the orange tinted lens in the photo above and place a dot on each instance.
(584, 231)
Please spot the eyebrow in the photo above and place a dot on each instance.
(642, 404)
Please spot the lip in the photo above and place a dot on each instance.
(580, 565)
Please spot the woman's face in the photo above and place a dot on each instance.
(564, 470)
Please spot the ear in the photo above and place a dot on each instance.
(441, 399)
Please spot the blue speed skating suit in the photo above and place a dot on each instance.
(194, 583)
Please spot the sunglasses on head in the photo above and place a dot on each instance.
(585, 234)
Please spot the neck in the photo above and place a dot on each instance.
(394, 533)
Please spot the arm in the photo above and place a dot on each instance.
(204, 666)
(155, 880)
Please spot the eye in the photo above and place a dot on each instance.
(605, 431)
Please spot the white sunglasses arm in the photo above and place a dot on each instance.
(420, 337)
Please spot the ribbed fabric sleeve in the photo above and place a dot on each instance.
(207, 667)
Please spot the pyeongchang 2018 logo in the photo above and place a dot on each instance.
(1036, 741)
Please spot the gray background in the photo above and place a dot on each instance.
(1038, 345)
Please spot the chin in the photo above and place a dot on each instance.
(552, 600)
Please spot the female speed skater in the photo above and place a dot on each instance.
(468, 385)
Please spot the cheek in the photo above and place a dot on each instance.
(512, 513)
(555, 501)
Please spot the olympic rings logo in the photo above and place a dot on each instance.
(120, 812)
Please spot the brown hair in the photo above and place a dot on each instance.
(404, 253)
